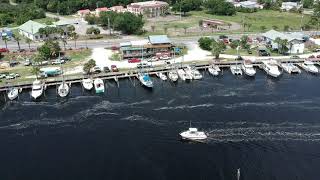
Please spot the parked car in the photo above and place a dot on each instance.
(2, 76)
(143, 65)
(316, 50)
(311, 57)
(106, 69)
(42, 63)
(4, 50)
(318, 56)
(57, 61)
(263, 52)
(165, 57)
(249, 51)
(14, 63)
(134, 60)
(239, 58)
(152, 59)
(27, 62)
(10, 76)
(295, 57)
(96, 70)
(114, 68)
(65, 58)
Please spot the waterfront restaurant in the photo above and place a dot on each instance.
(158, 45)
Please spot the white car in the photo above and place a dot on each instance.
(58, 61)
(27, 62)
(2, 76)
(165, 57)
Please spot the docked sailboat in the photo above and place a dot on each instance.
(87, 84)
(183, 75)
(162, 76)
(193, 72)
(98, 85)
(13, 93)
(248, 69)
(290, 68)
(271, 68)
(173, 76)
(193, 134)
(37, 89)
(309, 66)
(214, 70)
(144, 78)
(63, 89)
(236, 70)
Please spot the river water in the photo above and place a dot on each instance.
(270, 128)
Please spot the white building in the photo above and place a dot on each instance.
(153, 8)
(30, 29)
(248, 4)
(295, 40)
(287, 6)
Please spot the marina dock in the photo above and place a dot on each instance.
(132, 73)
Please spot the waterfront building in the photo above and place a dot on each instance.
(248, 4)
(287, 6)
(159, 45)
(295, 40)
(148, 8)
(30, 29)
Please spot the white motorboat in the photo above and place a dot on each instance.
(144, 78)
(98, 85)
(236, 70)
(162, 76)
(13, 93)
(248, 69)
(37, 89)
(309, 66)
(87, 84)
(271, 68)
(173, 76)
(290, 68)
(214, 70)
(193, 134)
(183, 75)
(193, 72)
(63, 89)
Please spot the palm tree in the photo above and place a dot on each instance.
(249, 26)
(28, 41)
(217, 48)
(75, 36)
(35, 71)
(64, 42)
(153, 27)
(5, 39)
(165, 29)
(284, 43)
(274, 27)
(263, 28)
(185, 30)
(17, 39)
(278, 41)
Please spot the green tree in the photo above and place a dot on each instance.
(275, 27)
(278, 42)
(49, 49)
(205, 43)
(235, 43)
(244, 42)
(128, 23)
(89, 65)
(5, 39)
(217, 48)
(284, 46)
(185, 29)
(220, 7)
(75, 36)
(17, 39)
(263, 28)
(286, 28)
(28, 41)
(308, 3)
(35, 71)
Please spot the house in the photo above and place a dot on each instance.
(287, 6)
(158, 45)
(30, 29)
(211, 23)
(248, 4)
(148, 8)
(82, 13)
(102, 9)
(117, 9)
(295, 41)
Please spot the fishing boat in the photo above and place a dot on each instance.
(248, 69)
(271, 68)
(183, 75)
(144, 78)
(193, 72)
(162, 76)
(63, 89)
(173, 76)
(290, 68)
(193, 134)
(13, 93)
(87, 84)
(236, 70)
(309, 66)
(37, 89)
(214, 70)
(98, 85)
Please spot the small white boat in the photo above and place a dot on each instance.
(271, 68)
(183, 75)
(193, 72)
(290, 68)
(63, 89)
(144, 78)
(87, 84)
(98, 85)
(236, 70)
(193, 134)
(214, 70)
(162, 76)
(173, 76)
(309, 66)
(37, 89)
(13, 93)
(248, 69)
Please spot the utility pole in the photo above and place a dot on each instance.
(301, 22)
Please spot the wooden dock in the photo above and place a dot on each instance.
(132, 73)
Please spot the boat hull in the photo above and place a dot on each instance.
(63, 90)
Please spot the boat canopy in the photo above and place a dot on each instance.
(193, 129)
(146, 77)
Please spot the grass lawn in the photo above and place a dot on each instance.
(46, 20)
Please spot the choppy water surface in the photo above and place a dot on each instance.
(270, 128)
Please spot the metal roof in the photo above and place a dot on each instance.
(272, 34)
(159, 39)
(31, 27)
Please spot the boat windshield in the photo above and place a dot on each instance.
(146, 78)
(36, 88)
